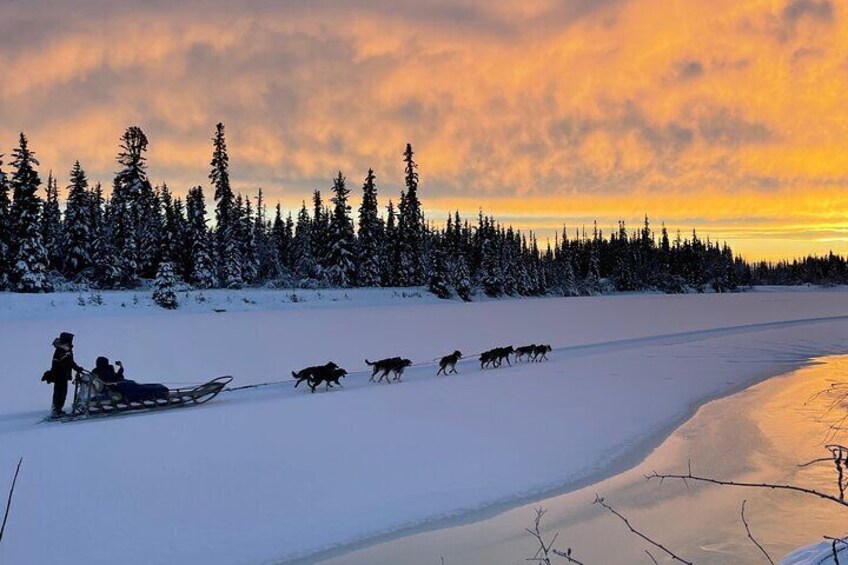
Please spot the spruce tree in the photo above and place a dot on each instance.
(281, 243)
(410, 225)
(228, 248)
(266, 256)
(79, 223)
(51, 224)
(593, 277)
(5, 229)
(320, 226)
(130, 206)
(164, 287)
(108, 267)
(199, 241)
(390, 252)
(306, 268)
(340, 252)
(150, 230)
(491, 274)
(370, 235)
(569, 279)
(247, 244)
(438, 275)
(183, 251)
(29, 256)
(462, 278)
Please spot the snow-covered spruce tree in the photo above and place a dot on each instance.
(108, 265)
(390, 249)
(202, 267)
(568, 282)
(78, 243)
(509, 261)
(306, 268)
(247, 244)
(592, 284)
(267, 264)
(183, 252)
(491, 273)
(170, 240)
(340, 254)
(51, 224)
(623, 274)
(410, 226)
(320, 226)
(438, 276)
(133, 204)
(29, 256)
(227, 248)
(164, 288)
(5, 229)
(370, 235)
(282, 235)
(462, 278)
(150, 230)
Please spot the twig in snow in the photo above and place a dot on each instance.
(834, 552)
(600, 501)
(654, 559)
(751, 536)
(9, 500)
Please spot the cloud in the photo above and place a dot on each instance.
(537, 99)
(688, 70)
(821, 10)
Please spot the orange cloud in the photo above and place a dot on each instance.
(724, 114)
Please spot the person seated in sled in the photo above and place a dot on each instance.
(104, 371)
(130, 390)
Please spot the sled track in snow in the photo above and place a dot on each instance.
(253, 392)
(611, 346)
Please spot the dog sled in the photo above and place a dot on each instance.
(95, 399)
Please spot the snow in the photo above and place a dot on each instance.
(272, 474)
(817, 554)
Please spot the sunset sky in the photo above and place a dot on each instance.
(730, 116)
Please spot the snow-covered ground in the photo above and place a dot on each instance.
(272, 474)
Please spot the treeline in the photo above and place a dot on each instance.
(141, 232)
(826, 271)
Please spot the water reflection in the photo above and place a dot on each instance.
(760, 435)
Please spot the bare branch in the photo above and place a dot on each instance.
(654, 559)
(545, 550)
(675, 557)
(751, 536)
(9, 500)
(691, 477)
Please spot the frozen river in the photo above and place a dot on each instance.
(760, 434)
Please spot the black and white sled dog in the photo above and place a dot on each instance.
(395, 365)
(447, 364)
(317, 374)
(495, 357)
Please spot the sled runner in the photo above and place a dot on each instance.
(93, 398)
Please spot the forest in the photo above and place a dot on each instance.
(141, 233)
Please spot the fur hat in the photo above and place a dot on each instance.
(66, 338)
